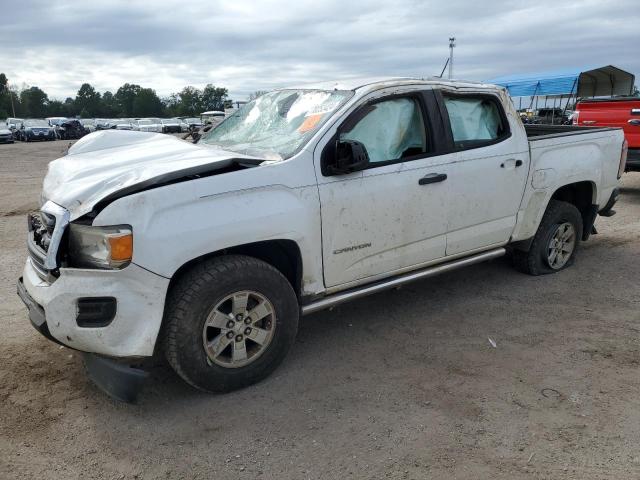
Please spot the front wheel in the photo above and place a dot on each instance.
(555, 243)
(229, 322)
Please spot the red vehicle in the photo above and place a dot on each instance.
(621, 112)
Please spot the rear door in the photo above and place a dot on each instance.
(488, 178)
(391, 216)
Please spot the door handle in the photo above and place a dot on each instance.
(517, 163)
(635, 122)
(589, 122)
(432, 178)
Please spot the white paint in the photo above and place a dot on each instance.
(133, 331)
(393, 224)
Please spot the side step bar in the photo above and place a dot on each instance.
(342, 297)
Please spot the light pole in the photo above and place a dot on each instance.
(452, 43)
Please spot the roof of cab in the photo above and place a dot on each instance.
(362, 82)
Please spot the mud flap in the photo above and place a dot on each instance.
(119, 381)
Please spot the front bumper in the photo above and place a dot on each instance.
(50, 135)
(117, 379)
(140, 294)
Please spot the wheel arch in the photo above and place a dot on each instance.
(584, 196)
(282, 254)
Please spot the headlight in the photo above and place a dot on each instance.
(100, 247)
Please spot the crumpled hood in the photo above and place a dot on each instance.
(105, 162)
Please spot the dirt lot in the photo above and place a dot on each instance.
(400, 385)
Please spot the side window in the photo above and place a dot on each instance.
(475, 120)
(391, 130)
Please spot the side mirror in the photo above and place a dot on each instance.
(351, 156)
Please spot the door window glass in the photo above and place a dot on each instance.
(474, 120)
(391, 130)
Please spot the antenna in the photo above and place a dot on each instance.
(452, 44)
(444, 68)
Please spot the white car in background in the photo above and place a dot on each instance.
(56, 121)
(89, 124)
(171, 125)
(148, 125)
(121, 124)
(14, 123)
(6, 135)
(214, 117)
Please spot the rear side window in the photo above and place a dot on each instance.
(475, 121)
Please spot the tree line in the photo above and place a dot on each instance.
(130, 100)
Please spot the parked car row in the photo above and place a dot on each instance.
(62, 128)
(159, 125)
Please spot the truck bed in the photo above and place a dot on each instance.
(539, 132)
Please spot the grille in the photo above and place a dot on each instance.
(46, 230)
(41, 226)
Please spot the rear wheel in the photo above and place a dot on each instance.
(555, 243)
(229, 323)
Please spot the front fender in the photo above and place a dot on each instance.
(177, 223)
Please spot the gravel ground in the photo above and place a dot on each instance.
(402, 385)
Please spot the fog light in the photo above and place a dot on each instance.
(94, 312)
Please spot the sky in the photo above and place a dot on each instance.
(259, 45)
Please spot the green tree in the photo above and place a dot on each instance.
(55, 108)
(69, 108)
(213, 98)
(34, 102)
(87, 100)
(108, 105)
(190, 102)
(124, 97)
(5, 100)
(147, 104)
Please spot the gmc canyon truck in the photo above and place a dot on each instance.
(303, 199)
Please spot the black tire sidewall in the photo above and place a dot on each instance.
(190, 355)
(561, 212)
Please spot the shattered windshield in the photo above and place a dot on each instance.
(275, 125)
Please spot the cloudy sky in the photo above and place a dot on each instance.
(256, 45)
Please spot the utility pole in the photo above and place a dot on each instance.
(452, 44)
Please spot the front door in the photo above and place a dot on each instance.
(392, 215)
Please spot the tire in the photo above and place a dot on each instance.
(197, 302)
(558, 221)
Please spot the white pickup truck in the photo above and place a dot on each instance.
(303, 199)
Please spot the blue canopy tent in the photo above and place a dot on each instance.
(582, 82)
(566, 84)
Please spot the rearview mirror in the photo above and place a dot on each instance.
(351, 156)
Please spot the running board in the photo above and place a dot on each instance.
(338, 298)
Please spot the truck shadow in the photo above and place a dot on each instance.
(630, 195)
